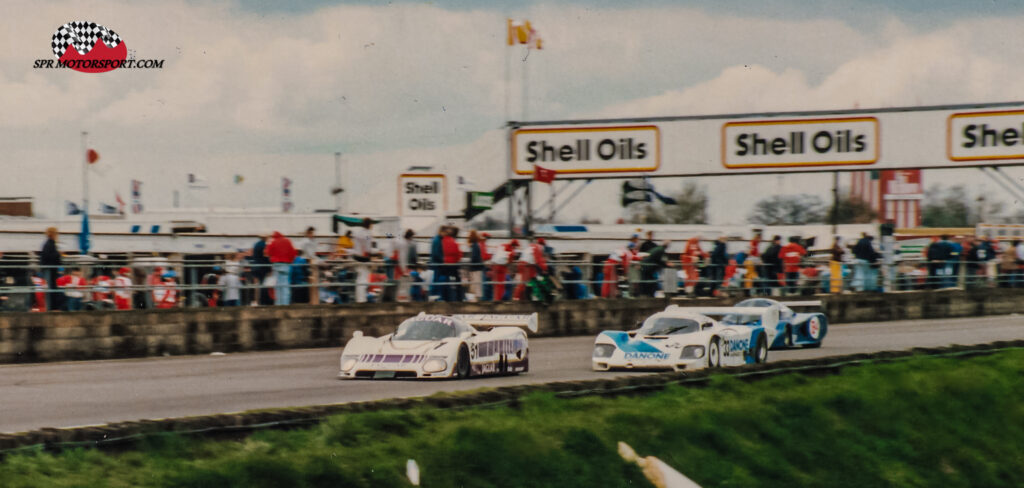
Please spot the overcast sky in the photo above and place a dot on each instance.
(266, 89)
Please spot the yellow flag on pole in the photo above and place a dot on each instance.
(522, 34)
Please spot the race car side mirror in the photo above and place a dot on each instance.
(705, 326)
(357, 333)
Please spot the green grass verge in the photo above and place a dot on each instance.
(925, 422)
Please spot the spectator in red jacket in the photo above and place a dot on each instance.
(451, 292)
(792, 254)
(531, 262)
(281, 254)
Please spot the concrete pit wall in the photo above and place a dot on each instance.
(28, 337)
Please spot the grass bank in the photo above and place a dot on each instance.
(920, 422)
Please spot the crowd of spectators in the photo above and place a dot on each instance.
(276, 271)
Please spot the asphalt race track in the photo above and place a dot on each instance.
(84, 393)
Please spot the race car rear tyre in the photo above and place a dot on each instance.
(761, 351)
(462, 366)
(714, 354)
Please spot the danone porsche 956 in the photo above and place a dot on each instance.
(442, 346)
(686, 339)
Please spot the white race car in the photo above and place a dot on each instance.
(442, 346)
(686, 339)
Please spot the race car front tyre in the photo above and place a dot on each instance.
(714, 353)
(761, 351)
(462, 366)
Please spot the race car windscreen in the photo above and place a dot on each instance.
(751, 319)
(656, 326)
(424, 330)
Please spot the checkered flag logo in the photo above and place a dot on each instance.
(83, 36)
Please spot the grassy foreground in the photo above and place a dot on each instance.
(923, 422)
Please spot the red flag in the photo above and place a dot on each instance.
(92, 156)
(543, 175)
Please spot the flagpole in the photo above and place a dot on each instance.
(526, 89)
(551, 220)
(337, 182)
(508, 71)
(83, 238)
(85, 173)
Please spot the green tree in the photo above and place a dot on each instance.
(945, 207)
(954, 207)
(691, 207)
(789, 210)
(853, 211)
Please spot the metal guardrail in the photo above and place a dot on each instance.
(191, 283)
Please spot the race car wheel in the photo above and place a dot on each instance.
(714, 354)
(462, 366)
(761, 351)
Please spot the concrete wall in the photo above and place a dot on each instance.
(27, 337)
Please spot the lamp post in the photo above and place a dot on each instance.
(337, 182)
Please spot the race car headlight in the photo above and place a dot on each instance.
(434, 365)
(692, 352)
(603, 350)
(348, 362)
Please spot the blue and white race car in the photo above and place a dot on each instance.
(686, 339)
(792, 330)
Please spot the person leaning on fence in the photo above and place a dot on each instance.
(488, 277)
(165, 292)
(476, 265)
(865, 264)
(649, 243)
(651, 266)
(74, 285)
(50, 260)
(505, 255)
(771, 265)
(953, 263)
(281, 254)
(719, 260)
(1018, 252)
(532, 263)
(792, 254)
(344, 245)
(102, 297)
(362, 251)
(452, 255)
(231, 286)
(612, 267)
(435, 262)
(298, 277)
(1007, 265)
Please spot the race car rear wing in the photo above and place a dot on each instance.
(769, 315)
(803, 304)
(497, 320)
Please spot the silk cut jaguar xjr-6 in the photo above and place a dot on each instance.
(686, 339)
(442, 346)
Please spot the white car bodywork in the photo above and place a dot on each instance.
(701, 342)
(442, 346)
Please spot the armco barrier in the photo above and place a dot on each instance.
(127, 434)
(28, 337)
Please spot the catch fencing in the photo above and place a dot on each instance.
(100, 285)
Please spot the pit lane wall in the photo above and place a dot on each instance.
(59, 336)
